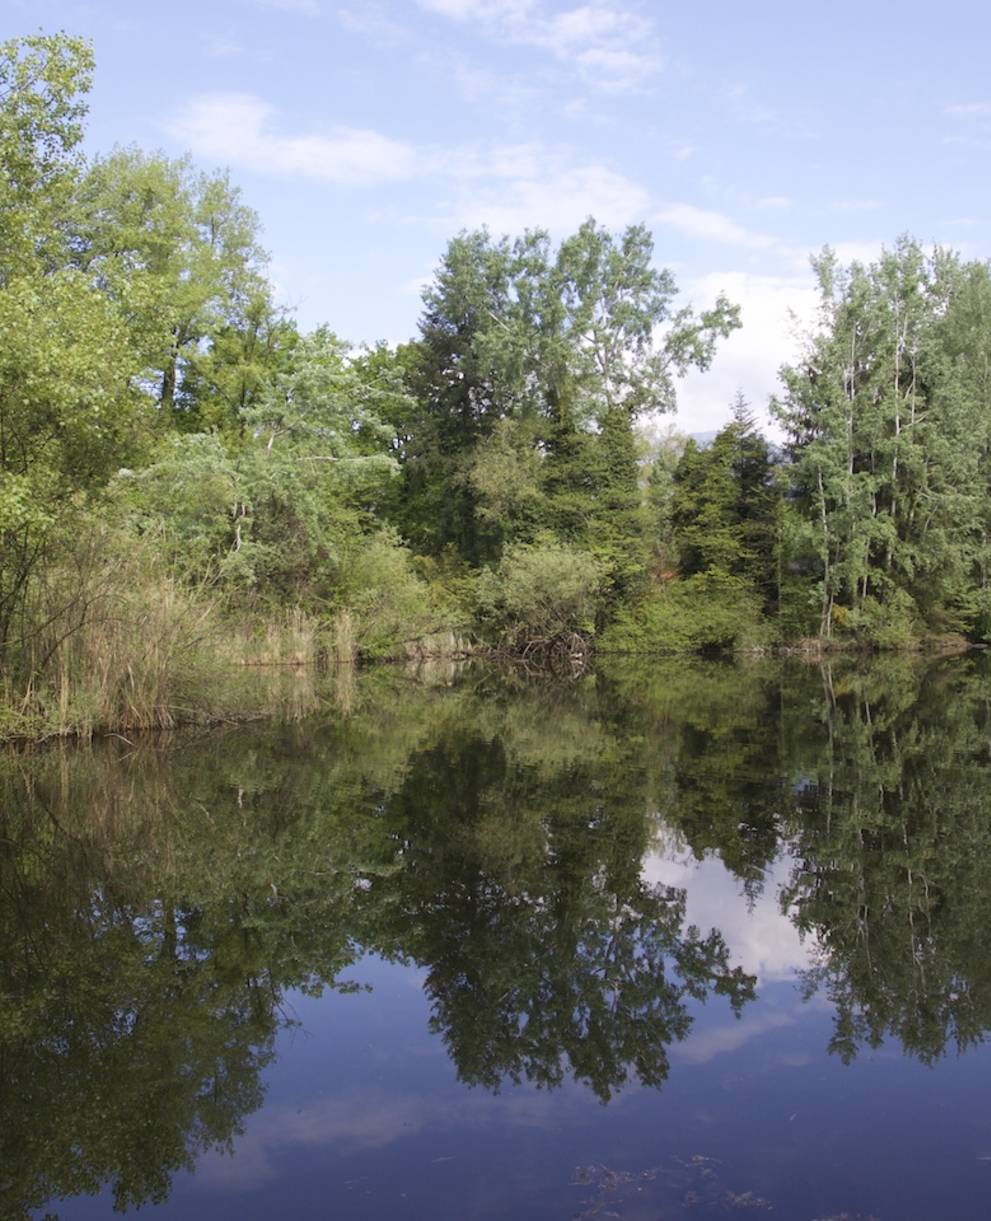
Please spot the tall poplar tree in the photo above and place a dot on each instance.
(884, 443)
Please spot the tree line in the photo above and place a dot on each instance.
(178, 458)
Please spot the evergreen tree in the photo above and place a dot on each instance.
(722, 504)
(615, 525)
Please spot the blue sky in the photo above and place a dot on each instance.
(746, 135)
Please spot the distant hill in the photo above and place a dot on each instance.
(703, 439)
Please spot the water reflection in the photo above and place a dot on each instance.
(759, 932)
(562, 864)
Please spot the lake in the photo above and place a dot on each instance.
(669, 940)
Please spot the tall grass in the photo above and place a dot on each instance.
(289, 638)
(111, 641)
(345, 638)
(137, 662)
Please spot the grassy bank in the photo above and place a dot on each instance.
(112, 640)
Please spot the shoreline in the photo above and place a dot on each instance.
(277, 706)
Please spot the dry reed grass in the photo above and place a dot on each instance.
(115, 643)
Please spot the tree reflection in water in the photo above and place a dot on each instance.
(155, 908)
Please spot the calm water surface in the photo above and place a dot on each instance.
(671, 941)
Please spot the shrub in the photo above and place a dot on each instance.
(387, 606)
(893, 624)
(708, 611)
(111, 640)
(541, 592)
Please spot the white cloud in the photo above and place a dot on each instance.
(778, 203)
(858, 251)
(575, 108)
(796, 258)
(367, 1119)
(306, 8)
(478, 10)
(747, 109)
(705, 1045)
(555, 197)
(476, 83)
(974, 125)
(520, 161)
(509, 187)
(615, 71)
(966, 142)
(772, 308)
(759, 936)
(710, 226)
(415, 286)
(597, 38)
(223, 48)
(363, 1120)
(968, 110)
(588, 24)
(373, 21)
(856, 205)
(237, 129)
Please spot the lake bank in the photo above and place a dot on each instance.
(289, 671)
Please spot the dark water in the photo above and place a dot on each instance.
(679, 941)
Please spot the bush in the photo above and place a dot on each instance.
(540, 593)
(387, 606)
(112, 641)
(708, 611)
(893, 624)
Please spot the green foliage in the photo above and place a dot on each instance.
(722, 507)
(892, 840)
(67, 414)
(393, 606)
(531, 365)
(489, 470)
(120, 641)
(614, 517)
(275, 515)
(886, 416)
(708, 611)
(178, 250)
(892, 625)
(505, 476)
(43, 83)
(66, 399)
(662, 453)
(615, 300)
(540, 592)
(187, 498)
